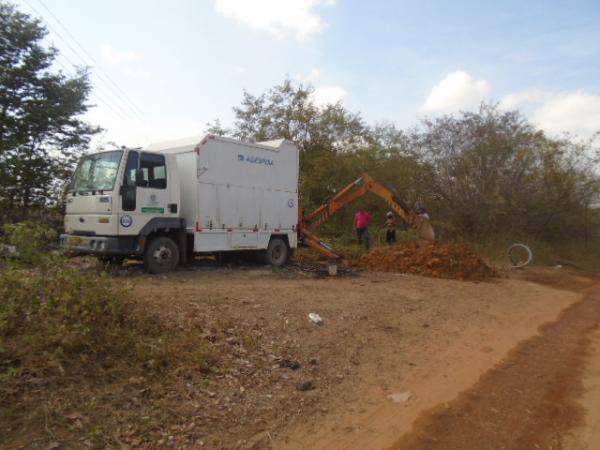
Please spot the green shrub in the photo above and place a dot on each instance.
(32, 242)
(55, 318)
(61, 309)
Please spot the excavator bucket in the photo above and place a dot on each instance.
(424, 229)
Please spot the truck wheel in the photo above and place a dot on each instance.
(224, 258)
(162, 255)
(276, 253)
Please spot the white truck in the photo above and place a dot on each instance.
(202, 195)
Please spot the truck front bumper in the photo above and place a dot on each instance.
(100, 245)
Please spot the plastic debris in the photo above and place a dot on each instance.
(401, 397)
(314, 317)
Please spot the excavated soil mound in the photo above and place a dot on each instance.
(430, 259)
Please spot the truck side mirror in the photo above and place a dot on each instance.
(139, 178)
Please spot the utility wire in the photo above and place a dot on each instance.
(78, 55)
(97, 64)
(113, 107)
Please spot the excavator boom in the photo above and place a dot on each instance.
(309, 223)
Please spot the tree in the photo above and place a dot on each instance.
(217, 129)
(322, 134)
(41, 132)
(494, 173)
(336, 145)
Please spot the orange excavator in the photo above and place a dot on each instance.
(308, 224)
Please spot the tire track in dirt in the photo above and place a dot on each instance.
(527, 402)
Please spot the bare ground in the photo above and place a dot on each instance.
(383, 334)
(443, 365)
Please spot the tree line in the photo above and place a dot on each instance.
(480, 174)
(483, 173)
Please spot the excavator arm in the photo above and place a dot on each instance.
(308, 224)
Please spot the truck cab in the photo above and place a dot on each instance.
(118, 200)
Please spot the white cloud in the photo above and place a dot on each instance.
(574, 112)
(279, 17)
(522, 98)
(112, 56)
(457, 91)
(325, 95)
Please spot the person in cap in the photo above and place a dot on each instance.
(390, 228)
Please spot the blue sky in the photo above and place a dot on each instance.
(177, 65)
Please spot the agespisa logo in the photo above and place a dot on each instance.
(255, 160)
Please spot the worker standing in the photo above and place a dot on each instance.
(390, 228)
(362, 219)
(422, 212)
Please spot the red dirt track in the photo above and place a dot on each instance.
(527, 402)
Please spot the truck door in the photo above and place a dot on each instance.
(144, 191)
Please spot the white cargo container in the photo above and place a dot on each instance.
(204, 195)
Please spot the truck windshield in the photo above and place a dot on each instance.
(96, 172)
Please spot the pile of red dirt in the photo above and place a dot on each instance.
(430, 259)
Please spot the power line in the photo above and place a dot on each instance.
(78, 55)
(98, 65)
(95, 94)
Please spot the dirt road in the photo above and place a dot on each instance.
(387, 334)
(445, 367)
(476, 368)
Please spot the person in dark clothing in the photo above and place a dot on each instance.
(390, 228)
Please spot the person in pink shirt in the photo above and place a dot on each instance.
(362, 219)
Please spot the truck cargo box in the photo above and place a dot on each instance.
(236, 195)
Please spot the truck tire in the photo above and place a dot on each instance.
(161, 255)
(224, 258)
(276, 253)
